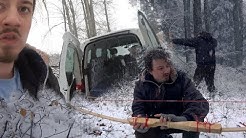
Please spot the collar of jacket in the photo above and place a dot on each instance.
(144, 77)
(32, 69)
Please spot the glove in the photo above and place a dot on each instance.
(173, 118)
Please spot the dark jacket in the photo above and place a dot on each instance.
(204, 46)
(33, 72)
(179, 89)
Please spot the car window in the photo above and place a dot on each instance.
(98, 52)
(69, 59)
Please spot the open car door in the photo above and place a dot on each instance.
(148, 33)
(69, 63)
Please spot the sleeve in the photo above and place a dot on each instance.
(138, 96)
(198, 107)
(192, 42)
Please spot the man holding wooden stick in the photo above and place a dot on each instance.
(162, 92)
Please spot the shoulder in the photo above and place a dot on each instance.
(42, 54)
(139, 83)
(29, 56)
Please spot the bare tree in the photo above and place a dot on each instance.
(106, 14)
(207, 14)
(69, 22)
(64, 14)
(238, 27)
(197, 17)
(187, 27)
(90, 19)
(47, 12)
(74, 26)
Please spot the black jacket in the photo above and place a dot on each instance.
(180, 89)
(33, 71)
(204, 46)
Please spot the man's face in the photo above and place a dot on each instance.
(15, 23)
(160, 70)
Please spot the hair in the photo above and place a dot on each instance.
(34, 3)
(157, 53)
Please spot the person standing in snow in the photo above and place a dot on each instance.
(158, 83)
(204, 45)
(21, 67)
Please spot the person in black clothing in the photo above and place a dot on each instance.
(161, 82)
(204, 46)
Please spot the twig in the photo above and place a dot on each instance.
(56, 133)
(5, 128)
(31, 126)
(70, 129)
(32, 115)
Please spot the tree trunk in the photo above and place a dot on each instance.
(92, 20)
(238, 36)
(86, 20)
(75, 31)
(164, 22)
(106, 14)
(207, 14)
(187, 14)
(197, 17)
(90, 16)
(68, 16)
(64, 15)
(187, 28)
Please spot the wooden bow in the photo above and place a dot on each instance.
(153, 122)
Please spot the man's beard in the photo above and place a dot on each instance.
(8, 56)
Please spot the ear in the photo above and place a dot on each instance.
(150, 72)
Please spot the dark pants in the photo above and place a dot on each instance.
(206, 72)
(158, 133)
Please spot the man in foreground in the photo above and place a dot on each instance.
(22, 68)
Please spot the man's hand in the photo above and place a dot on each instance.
(141, 128)
(170, 117)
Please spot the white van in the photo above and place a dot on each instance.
(100, 61)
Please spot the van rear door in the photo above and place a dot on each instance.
(148, 33)
(70, 65)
